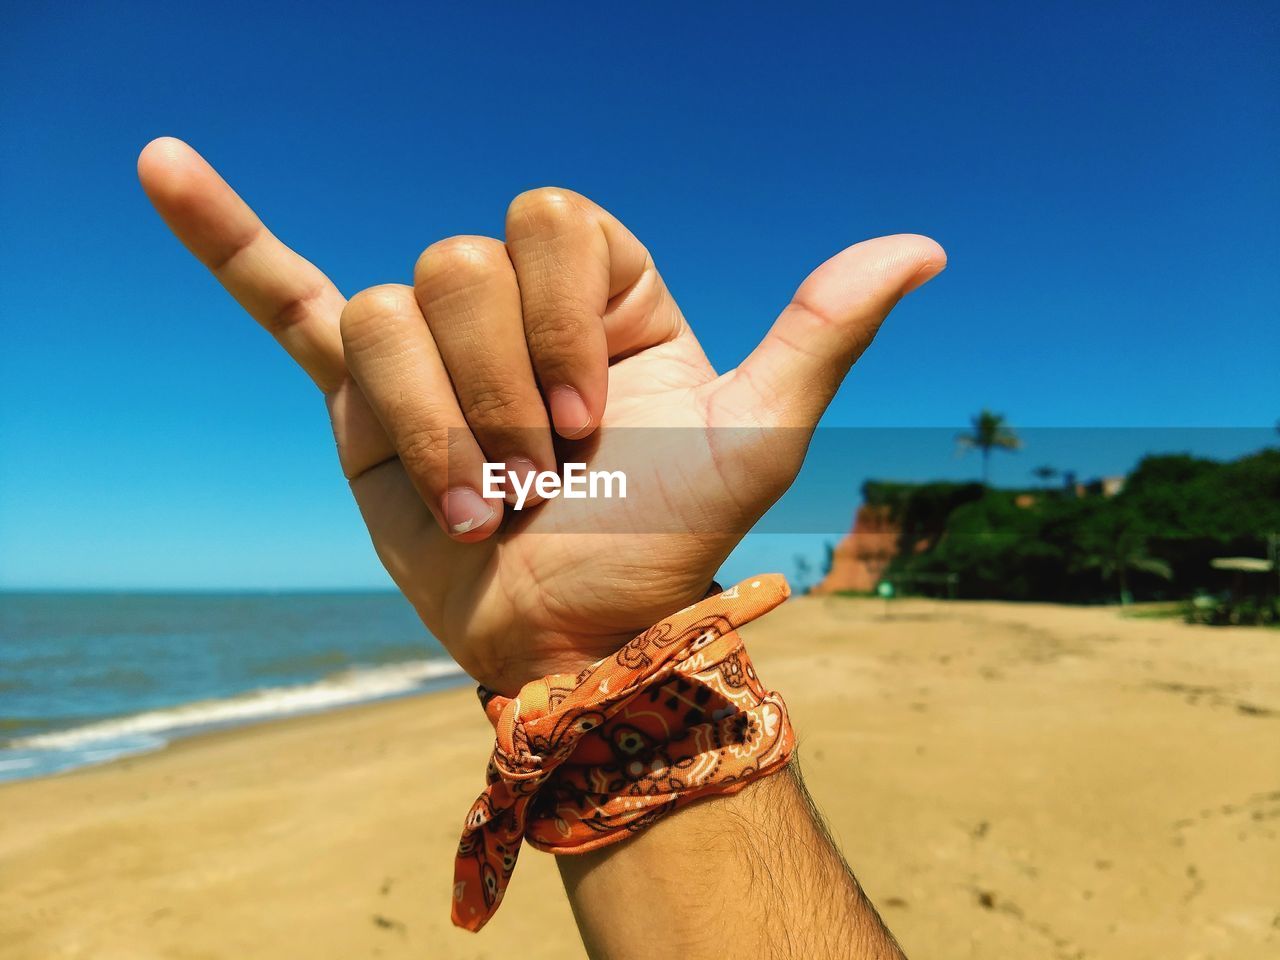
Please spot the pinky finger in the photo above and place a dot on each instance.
(289, 296)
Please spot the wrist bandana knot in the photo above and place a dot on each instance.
(581, 762)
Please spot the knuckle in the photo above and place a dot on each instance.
(544, 210)
(425, 454)
(297, 309)
(370, 309)
(492, 405)
(460, 258)
(555, 322)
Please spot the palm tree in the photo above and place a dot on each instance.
(1128, 551)
(1045, 474)
(990, 432)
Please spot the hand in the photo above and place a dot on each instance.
(495, 346)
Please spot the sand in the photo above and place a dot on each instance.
(1007, 781)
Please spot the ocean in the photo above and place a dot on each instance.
(89, 677)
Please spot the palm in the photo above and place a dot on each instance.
(609, 568)
(567, 582)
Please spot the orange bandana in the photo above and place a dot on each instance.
(581, 762)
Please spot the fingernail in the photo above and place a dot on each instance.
(465, 510)
(522, 468)
(568, 412)
(923, 276)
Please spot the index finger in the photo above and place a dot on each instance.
(288, 295)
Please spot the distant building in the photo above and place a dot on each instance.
(1101, 487)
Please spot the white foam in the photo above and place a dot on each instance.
(352, 686)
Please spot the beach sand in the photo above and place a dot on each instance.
(1007, 781)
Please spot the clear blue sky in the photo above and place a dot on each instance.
(1103, 177)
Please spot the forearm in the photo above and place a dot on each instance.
(749, 874)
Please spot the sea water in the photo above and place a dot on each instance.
(89, 677)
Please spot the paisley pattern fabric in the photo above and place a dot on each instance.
(581, 762)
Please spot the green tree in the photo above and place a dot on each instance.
(1123, 551)
(989, 432)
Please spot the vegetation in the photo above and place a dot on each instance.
(1154, 540)
(1121, 548)
(1244, 610)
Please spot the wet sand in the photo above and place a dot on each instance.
(1007, 781)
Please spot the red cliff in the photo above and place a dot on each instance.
(859, 561)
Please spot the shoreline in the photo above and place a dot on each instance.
(65, 750)
(234, 733)
(1026, 780)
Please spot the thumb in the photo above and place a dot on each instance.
(790, 378)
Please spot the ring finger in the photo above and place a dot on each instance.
(393, 358)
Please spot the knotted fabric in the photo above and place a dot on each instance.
(581, 762)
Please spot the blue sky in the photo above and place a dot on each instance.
(1102, 176)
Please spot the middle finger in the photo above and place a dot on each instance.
(468, 293)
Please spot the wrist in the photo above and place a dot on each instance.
(509, 672)
(580, 762)
(511, 665)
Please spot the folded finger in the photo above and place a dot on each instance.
(467, 290)
(394, 359)
(573, 259)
